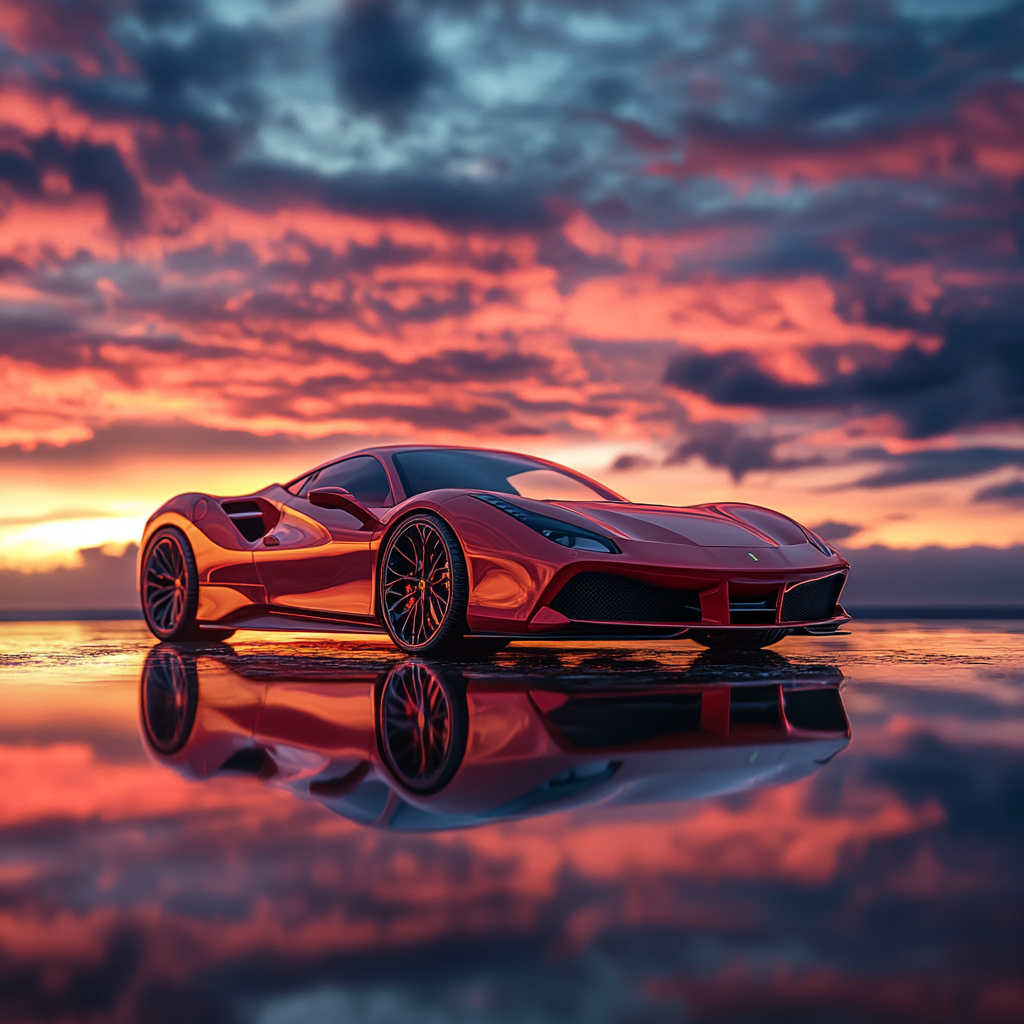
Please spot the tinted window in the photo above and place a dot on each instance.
(364, 476)
(488, 471)
(301, 485)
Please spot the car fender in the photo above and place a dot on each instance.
(391, 521)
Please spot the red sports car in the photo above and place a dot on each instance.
(463, 550)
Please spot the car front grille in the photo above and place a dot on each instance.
(606, 597)
(809, 602)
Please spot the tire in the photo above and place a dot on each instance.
(422, 724)
(170, 586)
(424, 586)
(169, 695)
(737, 640)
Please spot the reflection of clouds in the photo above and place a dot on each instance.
(806, 899)
(214, 876)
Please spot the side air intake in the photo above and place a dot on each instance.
(606, 597)
(247, 517)
(808, 602)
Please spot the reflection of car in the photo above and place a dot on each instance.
(420, 746)
(434, 545)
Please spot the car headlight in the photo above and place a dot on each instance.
(566, 534)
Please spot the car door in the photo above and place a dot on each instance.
(321, 561)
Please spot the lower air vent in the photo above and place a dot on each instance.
(605, 597)
(749, 610)
(809, 602)
(247, 517)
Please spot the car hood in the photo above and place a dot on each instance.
(732, 525)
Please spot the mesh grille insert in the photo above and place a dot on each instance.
(814, 600)
(606, 597)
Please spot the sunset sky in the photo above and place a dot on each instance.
(709, 250)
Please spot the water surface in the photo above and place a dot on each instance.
(829, 831)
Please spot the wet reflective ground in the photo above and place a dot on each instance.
(295, 830)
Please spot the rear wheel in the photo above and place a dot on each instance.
(170, 589)
(424, 586)
(169, 696)
(170, 586)
(737, 640)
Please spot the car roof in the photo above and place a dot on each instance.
(392, 449)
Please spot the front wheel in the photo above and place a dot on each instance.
(424, 586)
(737, 640)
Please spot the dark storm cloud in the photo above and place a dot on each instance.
(457, 204)
(929, 466)
(816, 81)
(60, 344)
(51, 344)
(835, 531)
(628, 462)
(380, 66)
(823, 84)
(723, 444)
(88, 167)
(1010, 492)
(976, 377)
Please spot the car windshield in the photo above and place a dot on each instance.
(433, 469)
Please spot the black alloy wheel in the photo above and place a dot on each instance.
(736, 639)
(170, 589)
(169, 696)
(170, 586)
(424, 586)
(423, 725)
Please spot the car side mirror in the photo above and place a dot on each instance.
(338, 497)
